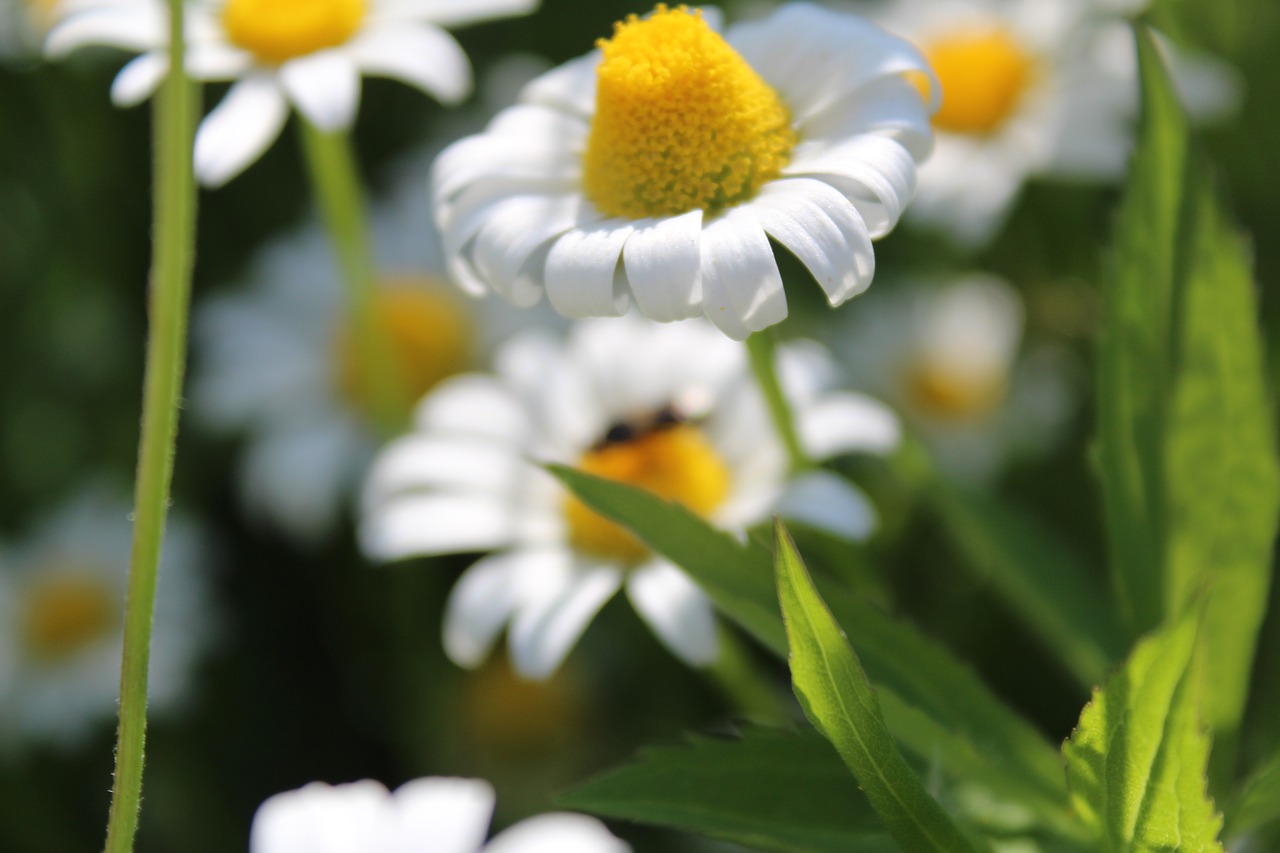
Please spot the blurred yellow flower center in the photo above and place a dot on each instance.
(276, 31)
(43, 12)
(428, 332)
(954, 393)
(65, 613)
(682, 121)
(672, 461)
(983, 73)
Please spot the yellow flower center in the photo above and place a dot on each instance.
(671, 460)
(276, 31)
(682, 121)
(984, 74)
(513, 718)
(954, 393)
(428, 332)
(66, 612)
(42, 12)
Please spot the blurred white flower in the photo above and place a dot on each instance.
(24, 23)
(1029, 88)
(306, 53)
(950, 357)
(274, 361)
(62, 595)
(659, 166)
(672, 409)
(432, 815)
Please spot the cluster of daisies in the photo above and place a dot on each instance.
(643, 189)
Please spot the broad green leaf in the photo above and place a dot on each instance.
(969, 724)
(1137, 761)
(837, 698)
(1189, 467)
(772, 789)
(1054, 594)
(1258, 804)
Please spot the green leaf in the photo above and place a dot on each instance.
(1136, 762)
(1258, 804)
(773, 790)
(1191, 478)
(1056, 596)
(837, 698)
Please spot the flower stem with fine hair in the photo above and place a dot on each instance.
(173, 249)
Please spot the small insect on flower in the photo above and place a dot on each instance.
(659, 167)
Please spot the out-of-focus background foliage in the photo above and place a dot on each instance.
(324, 667)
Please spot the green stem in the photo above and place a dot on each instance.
(173, 251)
(735, 674)
(762, 348)
(336, 179)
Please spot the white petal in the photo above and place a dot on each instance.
(823, 229)
(420, 55)
(557, 833)
(663, 265)
(879, 177)
(741, 287)
(239, 129)
(489, 593)
(542, 635)
(828, 502)
(582, 267)
(473, 404)
(421, 525)
(325, 86)
(514, 231)
(139, 79)
(454, 12)
(454, 464)
(570, 87)
(442, 815)
(135, 27)
(321, 818)
(524, 143)
(677, 610)
(846, 422)
(217, 61)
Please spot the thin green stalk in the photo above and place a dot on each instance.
(173, 251)
(336, 179)
(762, 348)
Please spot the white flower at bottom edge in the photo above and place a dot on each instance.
(62, 594)
(659, 167)
(432, 815)
(672, 408)
(306, 53)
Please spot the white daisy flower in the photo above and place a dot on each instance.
(23, 23)
(660, 166)
(306, 53)
(432, 815)
(672, 409)
(276, 361)
(62, 596)
(1029, 87)
(950, 357)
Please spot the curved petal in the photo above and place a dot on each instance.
(534, 143)
(582, 271)
(663, 265)
(823, 229)
(570, 87)
(828, 502)
(442, 815)
(325, 86)
(321, 818)
(418, 54)
(239, 129)
(877, 174)
(456, 464)
(846, 422)
(422, 525)
(487, 595)
(450, 13)
(476, 405)
(741, 286)
(557, 833)
(544, 631)
(139, 79)
(132, 26)
(505, 247)
(677, 610)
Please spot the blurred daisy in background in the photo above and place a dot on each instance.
(950, 357)
(24, 23)
(276, 361)
(432, 815)
(62, 594)
(658, 167)
(671, 409)
(1029, 87)
(308, 54)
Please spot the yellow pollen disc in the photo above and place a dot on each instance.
(276, 31)
(950, 394)
(514, 718)
(66, 613)
(983, 73)
(429, 332)
(671, 461)
(682, 121)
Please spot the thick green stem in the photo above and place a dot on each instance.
(173, 250)
(762, 348)
(336, 179)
